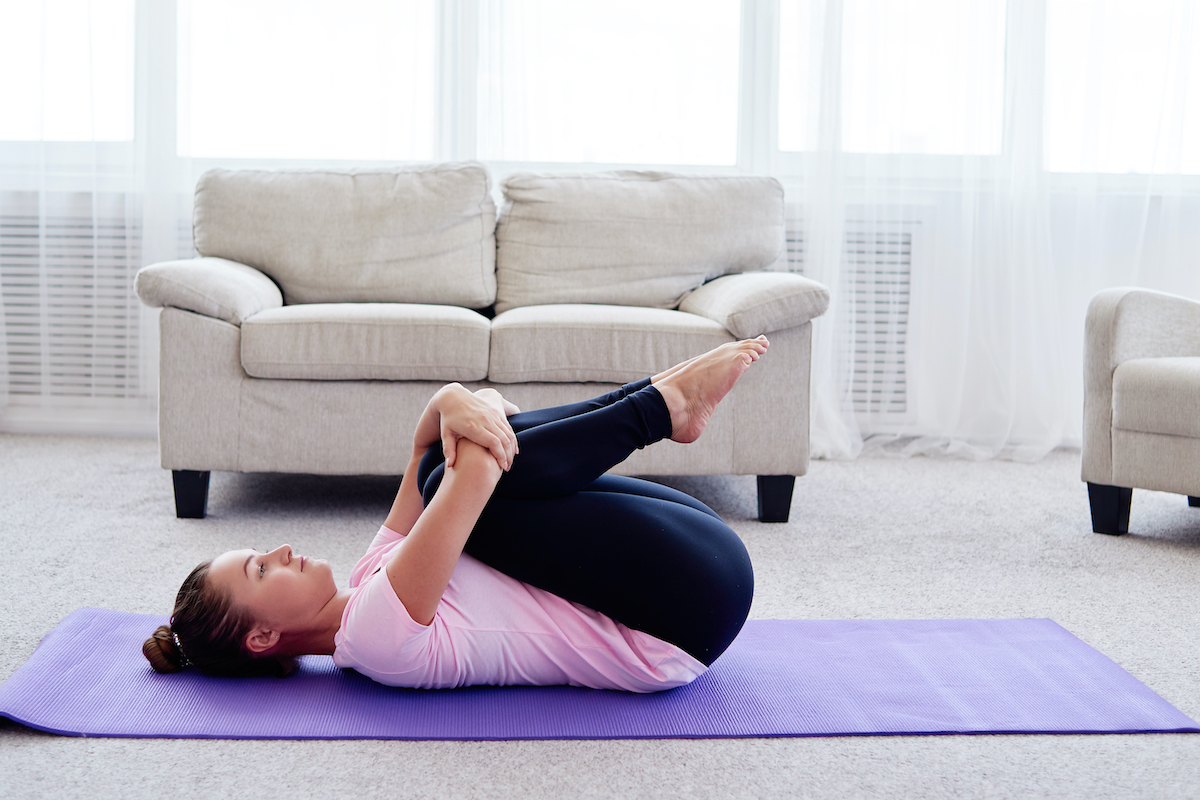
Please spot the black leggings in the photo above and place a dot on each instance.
(650, 557)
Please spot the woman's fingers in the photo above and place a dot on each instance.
(479, 417)
(449, 447)
(501, 426)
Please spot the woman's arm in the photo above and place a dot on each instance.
(453, 413)
(421, 568)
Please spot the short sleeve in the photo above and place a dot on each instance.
(379, 637)
(375, 556)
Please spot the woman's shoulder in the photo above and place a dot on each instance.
(381, 640)
(380, 549)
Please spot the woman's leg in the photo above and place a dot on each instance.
(524, 421)
(565, 455)
(668, 568)
(540, 416)
(625, 485)
(648, 556)
(642, 554)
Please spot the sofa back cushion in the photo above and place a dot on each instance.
(630, 238)
(424, 235)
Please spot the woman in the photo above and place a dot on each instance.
(570, 576)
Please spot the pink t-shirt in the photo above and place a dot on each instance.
(491, 629)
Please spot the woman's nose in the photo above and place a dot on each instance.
(283, 552)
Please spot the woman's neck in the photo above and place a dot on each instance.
(318, 639)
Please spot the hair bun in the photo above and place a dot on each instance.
(161, 652)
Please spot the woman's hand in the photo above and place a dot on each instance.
(481, 417)
(495, 398)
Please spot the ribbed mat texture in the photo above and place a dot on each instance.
(780, 678)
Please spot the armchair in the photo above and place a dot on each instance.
(1141, 407)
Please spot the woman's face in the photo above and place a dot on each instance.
(281, 590)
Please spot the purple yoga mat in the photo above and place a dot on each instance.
(780, 678)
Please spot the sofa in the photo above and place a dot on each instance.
(325, 308)
(1141, 401)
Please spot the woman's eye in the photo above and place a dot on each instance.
(261, 570)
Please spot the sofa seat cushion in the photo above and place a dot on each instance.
(630, 238)
(601, 343)
(416, 235)
(1158, 395)
(366, 341)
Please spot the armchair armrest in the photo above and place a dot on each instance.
(214, 287)
(751, 303)
(1123, 324)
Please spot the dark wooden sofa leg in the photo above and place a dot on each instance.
(775, 497)
(1194, 502)
(1110, 508)
(191, 493)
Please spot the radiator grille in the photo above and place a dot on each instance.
(70, 318)
(875, 276)
(873, 304)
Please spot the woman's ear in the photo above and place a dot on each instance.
(260, 640)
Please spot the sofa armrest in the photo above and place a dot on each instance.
(751, 303)
(1123, 324)
(214, 287)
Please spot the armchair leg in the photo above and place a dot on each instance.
(775, 497)
(1194, 502)
(191, 493)
(1110, 508)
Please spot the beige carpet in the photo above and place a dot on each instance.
(89, 522)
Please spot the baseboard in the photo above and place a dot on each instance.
(136, 423)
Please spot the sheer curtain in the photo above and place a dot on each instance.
(74, 188)
(109, 112)
(621, 82)
(965, 177)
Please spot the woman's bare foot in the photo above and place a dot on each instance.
(693, 389)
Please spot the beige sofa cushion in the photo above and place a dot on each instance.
(424, 235)
(366, 341)
(608, 344)
(1158, 395)
(630, 238)
(758, 302)
(213, 287)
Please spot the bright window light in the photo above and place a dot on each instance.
(799, 48)
(67, 70)
(296, 79)
(920, 76)
(1122, 97)
(624, 81)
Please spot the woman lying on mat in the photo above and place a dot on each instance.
(498, 568)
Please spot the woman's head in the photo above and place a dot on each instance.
(208, 631)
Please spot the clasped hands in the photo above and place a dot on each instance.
(480, 417)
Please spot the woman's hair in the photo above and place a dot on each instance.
(208, 632)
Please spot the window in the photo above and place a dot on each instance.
(68, 70)
(1122, 97)
(626, 81)
(922, 76)
(307, 80)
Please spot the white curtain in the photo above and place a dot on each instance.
(967, 176)
(963, 176)
(80, 211)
